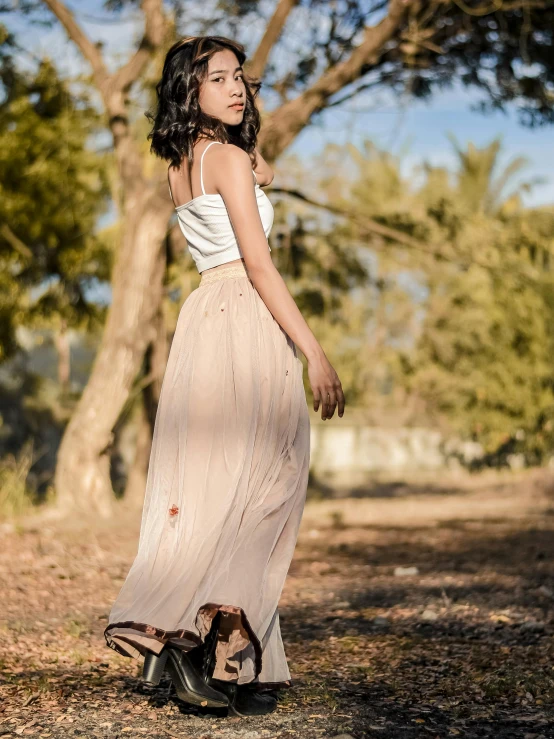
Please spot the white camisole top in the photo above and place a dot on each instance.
(205, 224)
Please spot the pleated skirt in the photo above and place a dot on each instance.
(225, 489)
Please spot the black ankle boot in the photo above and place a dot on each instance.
(188, 683)
(243, 699)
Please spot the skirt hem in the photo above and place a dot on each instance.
(240, 638)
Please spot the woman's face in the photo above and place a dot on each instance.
(223, 92)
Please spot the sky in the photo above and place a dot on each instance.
(419, 129)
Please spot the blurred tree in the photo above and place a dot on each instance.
(343, 49)
(484, 355)
(479, 184)
(462, 319)
(327, 277)
(50, 256)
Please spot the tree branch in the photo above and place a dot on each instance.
(89, 50)
(498, 5)
(283, 125)
(15, 242)
(365, 222)
(274, 28)
(353, 94)
(370, 226)
(154, 30)
(111, 86)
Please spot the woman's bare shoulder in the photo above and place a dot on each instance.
(232, 154)
(231, 160)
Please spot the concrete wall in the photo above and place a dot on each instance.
(349, 454)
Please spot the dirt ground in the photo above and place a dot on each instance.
(412, 610)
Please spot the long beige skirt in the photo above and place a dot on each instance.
(225, 489)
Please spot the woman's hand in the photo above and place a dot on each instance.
(326, 386)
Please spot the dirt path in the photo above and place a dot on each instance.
(460, 647)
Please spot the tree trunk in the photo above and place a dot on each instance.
(61, 342)
(82, 478)
(156, 361)
(133, 496)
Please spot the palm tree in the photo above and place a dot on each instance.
(481, 183)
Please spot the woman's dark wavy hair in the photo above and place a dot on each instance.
(179, 120)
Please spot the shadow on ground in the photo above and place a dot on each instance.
(462, 646)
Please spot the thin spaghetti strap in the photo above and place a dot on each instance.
(201, 162)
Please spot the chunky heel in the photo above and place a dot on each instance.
(154, 665)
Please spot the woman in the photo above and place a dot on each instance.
(230, 452)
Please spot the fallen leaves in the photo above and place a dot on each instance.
(363, 652)
(31, 698)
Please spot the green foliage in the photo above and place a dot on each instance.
(478, 185)
(484, 358)
(452, 328)
(52, 190)
(484, 354)
(326, 275)
(462, 319)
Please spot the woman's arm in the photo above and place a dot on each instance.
(264, 173)
(233, 180)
